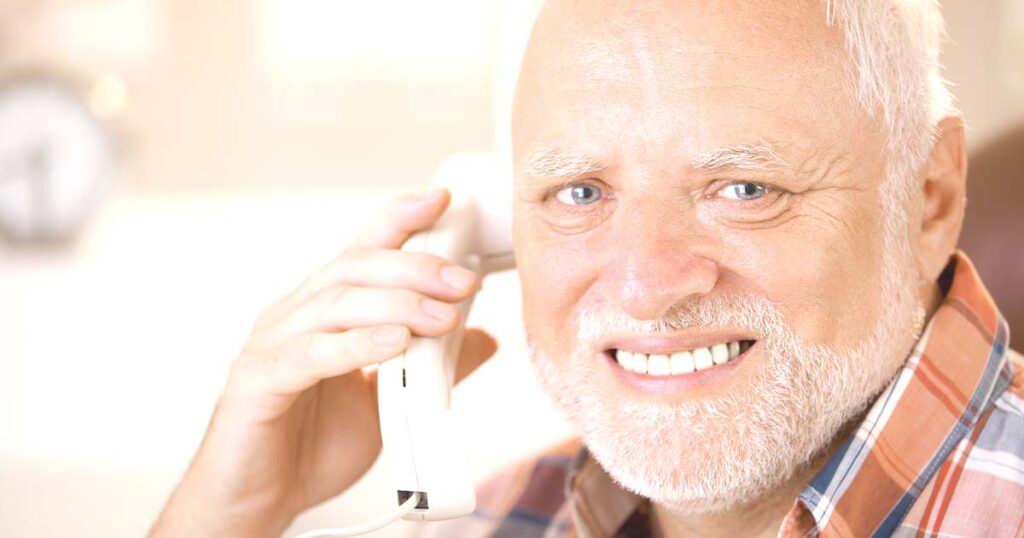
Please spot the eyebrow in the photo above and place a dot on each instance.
(550, 162)
(760, 156)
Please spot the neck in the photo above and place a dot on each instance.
(930, 298)
(761, 517)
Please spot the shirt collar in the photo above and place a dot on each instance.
(956, 370)
(599, 506)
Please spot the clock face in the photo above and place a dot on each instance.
(55, 160)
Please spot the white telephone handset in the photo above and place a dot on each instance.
(422, 441)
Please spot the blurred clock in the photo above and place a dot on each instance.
(55, 161)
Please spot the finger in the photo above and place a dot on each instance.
(353, 307)
(477, 347)
(389, 229)
(377, 268)
(311, 358)
(401, 218)
(265, 385)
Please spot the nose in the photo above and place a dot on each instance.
(657, 269)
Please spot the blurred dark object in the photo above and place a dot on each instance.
(994, 224)
(55, 160)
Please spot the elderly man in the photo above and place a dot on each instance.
(735, 226)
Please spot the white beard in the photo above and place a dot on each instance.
(713, 454)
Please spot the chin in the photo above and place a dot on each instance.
(694, 456)
(737, 443)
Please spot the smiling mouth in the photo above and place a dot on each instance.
(680, 362)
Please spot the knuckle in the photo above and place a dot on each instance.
(397, 305)
(308, 349)
(433, 264)
(336, 297)
(300, 353)
(411, 301)
(352, 346)
(423, 268)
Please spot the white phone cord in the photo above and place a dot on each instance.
(369, 526)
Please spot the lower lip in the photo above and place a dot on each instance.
(681, 383)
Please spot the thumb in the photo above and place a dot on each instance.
(477, 347)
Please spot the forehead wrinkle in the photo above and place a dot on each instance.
(759, 156)
(828, 166)
(552, 162)
(616, 59)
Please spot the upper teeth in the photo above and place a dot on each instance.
(682, 362)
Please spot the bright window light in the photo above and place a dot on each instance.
(107, 31)
(328, 38)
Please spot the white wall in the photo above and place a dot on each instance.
(984, 59)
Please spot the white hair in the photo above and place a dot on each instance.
(893, 48)
(894, 73)
(707, 455)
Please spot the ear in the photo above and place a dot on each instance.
(943, 184)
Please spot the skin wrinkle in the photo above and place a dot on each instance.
(828, 282)
(641, 57)
(549, 162)
(776, 222)
(805, 271)
(827, 173)
(822, 208)
(607, 58)
(810, 166)
(823, 174)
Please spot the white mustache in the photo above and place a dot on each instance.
(599, 321)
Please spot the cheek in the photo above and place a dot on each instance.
(824, 278)
(555, 274)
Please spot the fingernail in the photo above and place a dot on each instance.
(458, 277)
(389, 336)
(438, 310)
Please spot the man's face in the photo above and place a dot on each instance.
(691, 174)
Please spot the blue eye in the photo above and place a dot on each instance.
(743, 190)
(579, 194)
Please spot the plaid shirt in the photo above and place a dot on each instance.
(940, 452)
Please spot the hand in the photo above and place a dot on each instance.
(297, 422)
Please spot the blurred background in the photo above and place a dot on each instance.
(167, 168)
